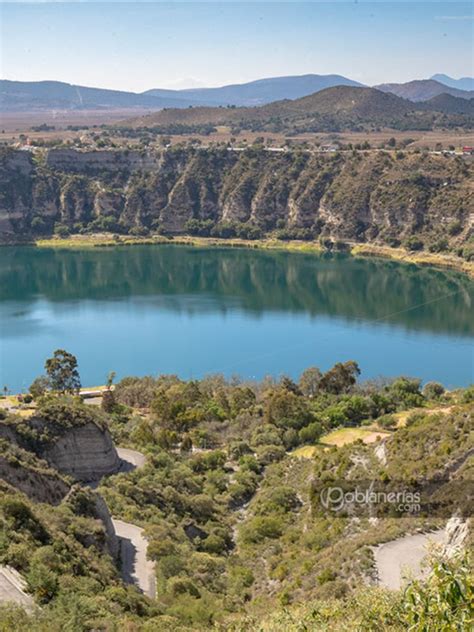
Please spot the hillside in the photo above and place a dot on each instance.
(423, 89)
(261, 91)
(375, 197)
(230, 501)
(43, 95)
(333, 109)
(450, 105)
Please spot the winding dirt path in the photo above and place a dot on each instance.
(131, 459)
(136, 568)
(402, 559)
(12, 588)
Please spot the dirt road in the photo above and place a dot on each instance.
(12, 588)
(131, 458)
(401, 559)
(136, 569)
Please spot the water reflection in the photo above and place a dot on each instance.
(199, 281)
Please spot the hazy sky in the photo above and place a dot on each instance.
(142, 45)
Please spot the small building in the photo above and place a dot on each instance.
(468, 150)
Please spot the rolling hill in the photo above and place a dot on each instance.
(332, 109)
(450, 105)
(42, 95)
(422, 90)
(258, 92)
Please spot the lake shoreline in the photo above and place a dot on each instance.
(107, 240)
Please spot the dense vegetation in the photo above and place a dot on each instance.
(228, 507)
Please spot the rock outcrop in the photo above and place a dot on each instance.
(373, 196)
(86, 453)
(24, 471)
(72, 440)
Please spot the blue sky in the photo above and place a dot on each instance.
(142, 45)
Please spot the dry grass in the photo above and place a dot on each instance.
(363, 250)
(418, 258)
(343, 436)
(401, 418)
(305, 452)
(339, 438)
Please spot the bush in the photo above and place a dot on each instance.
(413, 244)
(260, 528)
(468, 396)
(214, 544)
(270, 454)
(387, 421)
(444, 600)
(61, 230)
(42, 582)
(178, 586)
(440, 245)
(433, 390)
(311, 433)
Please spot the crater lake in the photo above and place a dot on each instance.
(152, 309)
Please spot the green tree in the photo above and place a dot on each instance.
(39, 386)
(340, 378)
(309, 381)
(62, 372)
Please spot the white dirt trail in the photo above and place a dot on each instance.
(12, 588)
(136, 568)
(402, 559)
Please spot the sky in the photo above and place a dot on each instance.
(143, 45)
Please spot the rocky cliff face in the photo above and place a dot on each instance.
(37, 455)
(23, 471)
(82, 449)
(86, 453)
(373, 196)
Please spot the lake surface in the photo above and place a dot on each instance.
(175, 309)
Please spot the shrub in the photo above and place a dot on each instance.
(270, 454)
(61, 230)
(42, 582)
(439, 246)
(468, 396)
(179, 586)
(311, 433)
(260, 528)
(213, 544)
(433, 390)
(387, 421)
(413, 244)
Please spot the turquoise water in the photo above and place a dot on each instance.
(175, 309)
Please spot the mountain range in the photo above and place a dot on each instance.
(332, 109)
(44, 95)
(262, 91)
(464, 83)
(423, 89)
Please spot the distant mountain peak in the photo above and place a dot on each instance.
(463, 83)
(260, 91)
(423, 90)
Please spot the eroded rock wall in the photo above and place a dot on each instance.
(363, 196)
